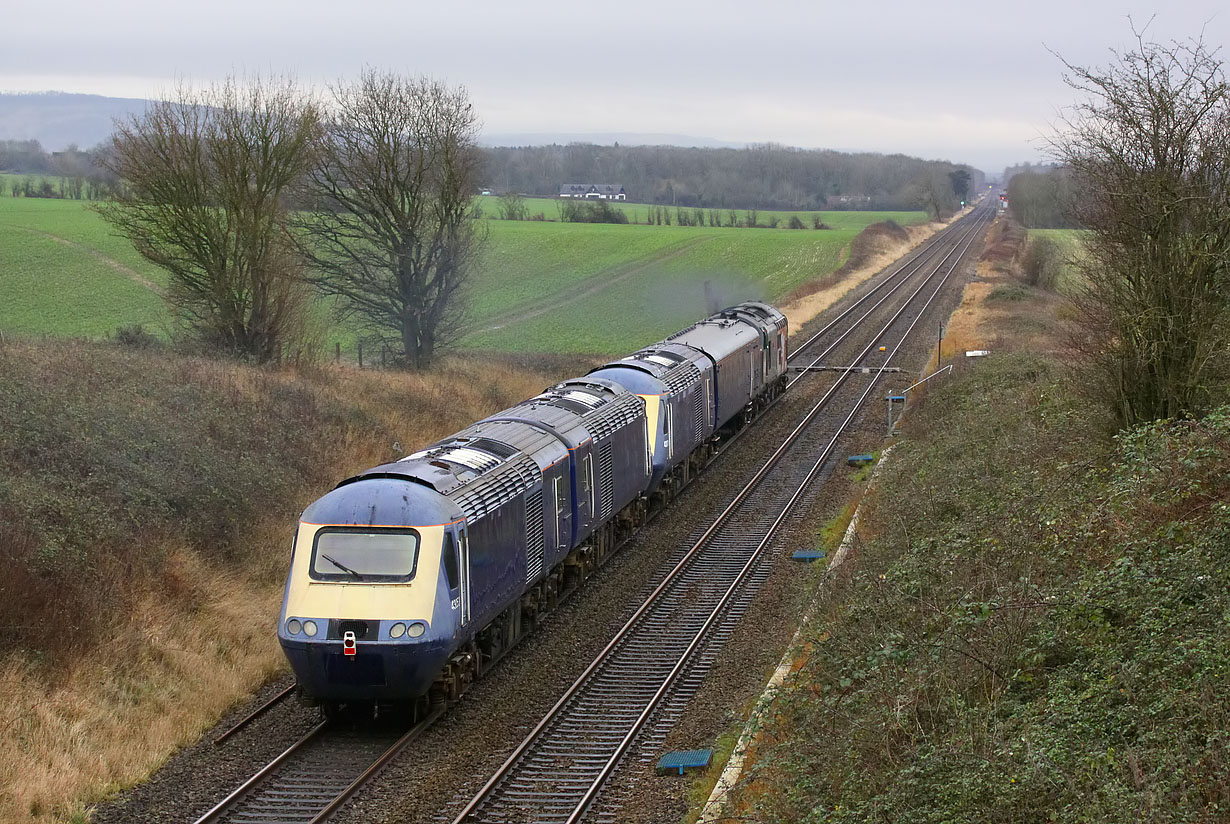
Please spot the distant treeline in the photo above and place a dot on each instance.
(74, 173)
(764, 177)
(758, 177)
(1042, 200)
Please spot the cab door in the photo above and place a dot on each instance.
(463, 545)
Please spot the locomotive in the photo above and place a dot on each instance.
(410, 579)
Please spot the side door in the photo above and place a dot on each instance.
(588, 492)
(463, 545)
(563, 512)
(668, 426)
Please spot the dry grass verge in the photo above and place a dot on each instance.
(147, 504)
(876, 247)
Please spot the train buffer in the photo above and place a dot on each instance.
(808, 555)
(684, 759)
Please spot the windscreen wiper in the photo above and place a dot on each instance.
(342, 566)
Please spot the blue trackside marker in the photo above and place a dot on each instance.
(809, 555)
(684, 759)
(859, 460)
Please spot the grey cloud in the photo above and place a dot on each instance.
(893, 76)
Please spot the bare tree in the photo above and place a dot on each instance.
(207, 180)
(391, 230)
(1149, 150)
(932, 190)
(512, 206)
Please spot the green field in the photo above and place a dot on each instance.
(652, 285)
(63, 273)
(542, 286)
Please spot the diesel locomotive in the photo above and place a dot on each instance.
(408, 580)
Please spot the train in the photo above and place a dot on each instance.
(407, 581)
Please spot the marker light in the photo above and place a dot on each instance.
(293, 626)
(397, 630)
(349, 647)
(309, 627)
(416, 629)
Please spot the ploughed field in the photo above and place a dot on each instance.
(541, 285)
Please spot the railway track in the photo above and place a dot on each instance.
(317, 774)
(692, 611)
(559, 769)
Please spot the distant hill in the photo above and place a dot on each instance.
(57, 119)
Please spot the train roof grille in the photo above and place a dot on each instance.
(589, 399)
(486, 494)
(473, 458)
(502, 450)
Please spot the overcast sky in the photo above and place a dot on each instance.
(966, 81)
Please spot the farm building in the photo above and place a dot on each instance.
(593, 191)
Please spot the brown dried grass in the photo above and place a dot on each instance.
(875, 248)
(177, 640)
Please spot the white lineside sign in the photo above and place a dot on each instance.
(977, 353)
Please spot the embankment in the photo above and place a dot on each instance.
(147, 501)
(1032, 625)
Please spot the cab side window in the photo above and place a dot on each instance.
(450, 561)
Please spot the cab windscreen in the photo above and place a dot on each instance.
(364, 554)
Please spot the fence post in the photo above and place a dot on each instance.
(360, 354)
(337, 353)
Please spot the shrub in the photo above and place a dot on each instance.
(1042, 263)
(135, 336)
(1012, 292)
(575, 211)
(795, 223)
(512, 206)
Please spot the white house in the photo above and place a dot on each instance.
(593, 191)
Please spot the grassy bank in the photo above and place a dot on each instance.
(147, 501)
(1033, 628)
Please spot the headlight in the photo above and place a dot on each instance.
(310, 628)
(293, 626)
(416, 629)
(397, 630)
